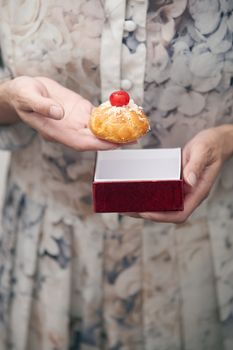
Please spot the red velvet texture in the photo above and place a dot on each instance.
(138, 196)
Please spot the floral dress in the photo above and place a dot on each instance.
(74, 280)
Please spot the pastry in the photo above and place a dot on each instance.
(119, 120)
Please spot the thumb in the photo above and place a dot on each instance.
(193, 168)
(45, 106)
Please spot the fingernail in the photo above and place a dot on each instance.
(192, 179)
(56, 112)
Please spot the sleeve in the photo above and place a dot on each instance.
(14, 136)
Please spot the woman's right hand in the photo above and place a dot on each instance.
(57, 113)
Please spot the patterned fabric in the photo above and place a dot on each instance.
(71, 279)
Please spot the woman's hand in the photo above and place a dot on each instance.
(57, 113)
(203, 158)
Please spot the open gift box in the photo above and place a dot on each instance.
(138, 180)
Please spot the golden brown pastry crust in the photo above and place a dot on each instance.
(119, 124)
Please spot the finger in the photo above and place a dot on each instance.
(90, 141)
(51, 129)
(44, 106)
(33, 119)
(185, 156)
(165, 217)
(194, 167)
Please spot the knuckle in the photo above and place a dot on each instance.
(16, 83)
(20, 101)
(19, 83)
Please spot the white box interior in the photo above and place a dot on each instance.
(143, 164)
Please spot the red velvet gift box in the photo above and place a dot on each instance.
(133, 180)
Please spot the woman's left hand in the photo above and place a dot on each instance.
(203, 158)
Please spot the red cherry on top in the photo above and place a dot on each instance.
(119, 98)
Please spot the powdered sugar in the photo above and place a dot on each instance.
(130, 107)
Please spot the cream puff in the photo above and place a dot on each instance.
(119, 120)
